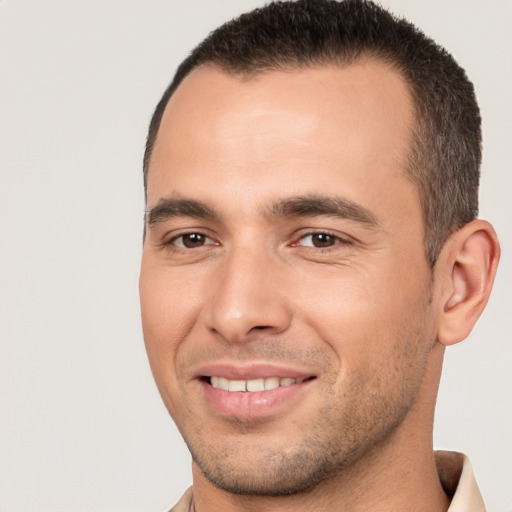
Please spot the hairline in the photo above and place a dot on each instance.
(410, 158)
(415, 128)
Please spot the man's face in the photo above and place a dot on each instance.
(285, 248)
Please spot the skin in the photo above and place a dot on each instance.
(344, 297)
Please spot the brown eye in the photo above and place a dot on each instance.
(319, 240)
(323, 240)
(191, 240)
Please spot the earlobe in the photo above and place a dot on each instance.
(468, 263)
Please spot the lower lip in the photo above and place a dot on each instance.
(252, 404)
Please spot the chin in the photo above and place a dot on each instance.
(276, 475)
(242, 469)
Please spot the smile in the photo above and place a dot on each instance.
(254, 396)
(253, 385)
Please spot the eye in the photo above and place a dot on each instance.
(319, 240)
(191, 240)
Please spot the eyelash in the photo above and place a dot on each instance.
(335, 239)
(204, 240)
(173, 241)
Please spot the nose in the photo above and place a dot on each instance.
(248, 299)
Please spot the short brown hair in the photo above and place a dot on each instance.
(445, 152)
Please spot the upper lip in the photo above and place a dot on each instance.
(249, 371)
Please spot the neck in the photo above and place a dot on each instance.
(399, 475)
(400, 484)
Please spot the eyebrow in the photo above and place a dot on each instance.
(169, 207)
(314, 205)
(300, 206)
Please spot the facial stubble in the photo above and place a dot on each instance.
(346, 429)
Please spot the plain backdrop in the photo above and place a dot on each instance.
(82, 428)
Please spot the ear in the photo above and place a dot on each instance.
(466, 268)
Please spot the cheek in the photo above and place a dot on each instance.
(165, 324)
(341, 303)
(167, 298)
(366, 317)
(166, 318)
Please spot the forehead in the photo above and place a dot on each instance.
(291, 128)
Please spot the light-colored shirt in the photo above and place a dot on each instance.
(458, 481)
(455, 473)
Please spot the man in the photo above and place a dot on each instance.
(311, 248)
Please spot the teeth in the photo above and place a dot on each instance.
(256, 385)
(237, 385)
(220, 383)
(252, 385)
(271, 383)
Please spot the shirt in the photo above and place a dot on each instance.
(455, 473)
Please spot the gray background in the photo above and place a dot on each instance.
(81, 425)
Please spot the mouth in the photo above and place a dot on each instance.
(257, 393)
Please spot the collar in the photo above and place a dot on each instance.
(458, 481)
